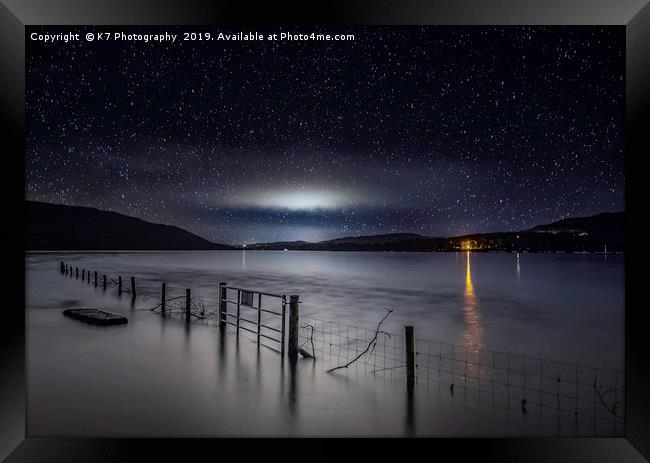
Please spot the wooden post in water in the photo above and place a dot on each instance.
(163, 297)
(83, 274)
(410, 356)
(187, 305)
(284, 325)
(62, 267)
(238, 306)
(88, 277)
(76, 272)
(119, 285)
(95, 278)
(259, 317)
(222, 304)
(104, 277)
(294, 303)
(132, 288)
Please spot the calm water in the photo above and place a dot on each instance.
(156, 376)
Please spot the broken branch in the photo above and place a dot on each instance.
(371, 345)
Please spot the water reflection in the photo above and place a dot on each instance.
(518, 269)
(227, 397)
(474, 332)
(293, 386)
(410, 411)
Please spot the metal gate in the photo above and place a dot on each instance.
(238, 305)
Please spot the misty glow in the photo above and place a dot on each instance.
(302, 200)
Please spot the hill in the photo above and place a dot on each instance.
(59, 227)
(578, 234)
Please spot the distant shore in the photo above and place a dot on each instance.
(51, 227)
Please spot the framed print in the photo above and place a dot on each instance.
(366, 221)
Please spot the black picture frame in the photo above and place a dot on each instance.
(634, 15)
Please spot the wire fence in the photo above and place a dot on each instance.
(530, 381)
(335, 343)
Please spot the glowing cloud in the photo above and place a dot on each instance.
(297, 200)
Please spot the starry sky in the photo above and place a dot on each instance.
(433, 130)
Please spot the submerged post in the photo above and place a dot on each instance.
(410, 356)
(104, 282)
(132, 287)
(284, 324)
(259, 317)
(187, 305)
(62, 267)
(83, 274)
(163, 297)
(294, 303)
(119, 284)
(95, 278)
(222, 304)
(76, 272)
(238, 306)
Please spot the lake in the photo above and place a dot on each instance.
(129, 380)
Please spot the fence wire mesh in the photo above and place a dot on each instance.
(337, 344)
(530, 381)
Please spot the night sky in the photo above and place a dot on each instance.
(436, 130)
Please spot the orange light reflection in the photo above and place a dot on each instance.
(474, 332)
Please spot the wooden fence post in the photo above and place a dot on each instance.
(119, 284)
(95, 278)
(222, 304)
(132, 287)
(294, 303)
(163, 297)
(410, 356)
(284, 325)
(259, 317)
(187, 305)
(238, 306)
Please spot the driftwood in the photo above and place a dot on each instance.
(370, 347)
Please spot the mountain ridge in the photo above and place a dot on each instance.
(61, 227)
(74, 228)
(575, 234)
